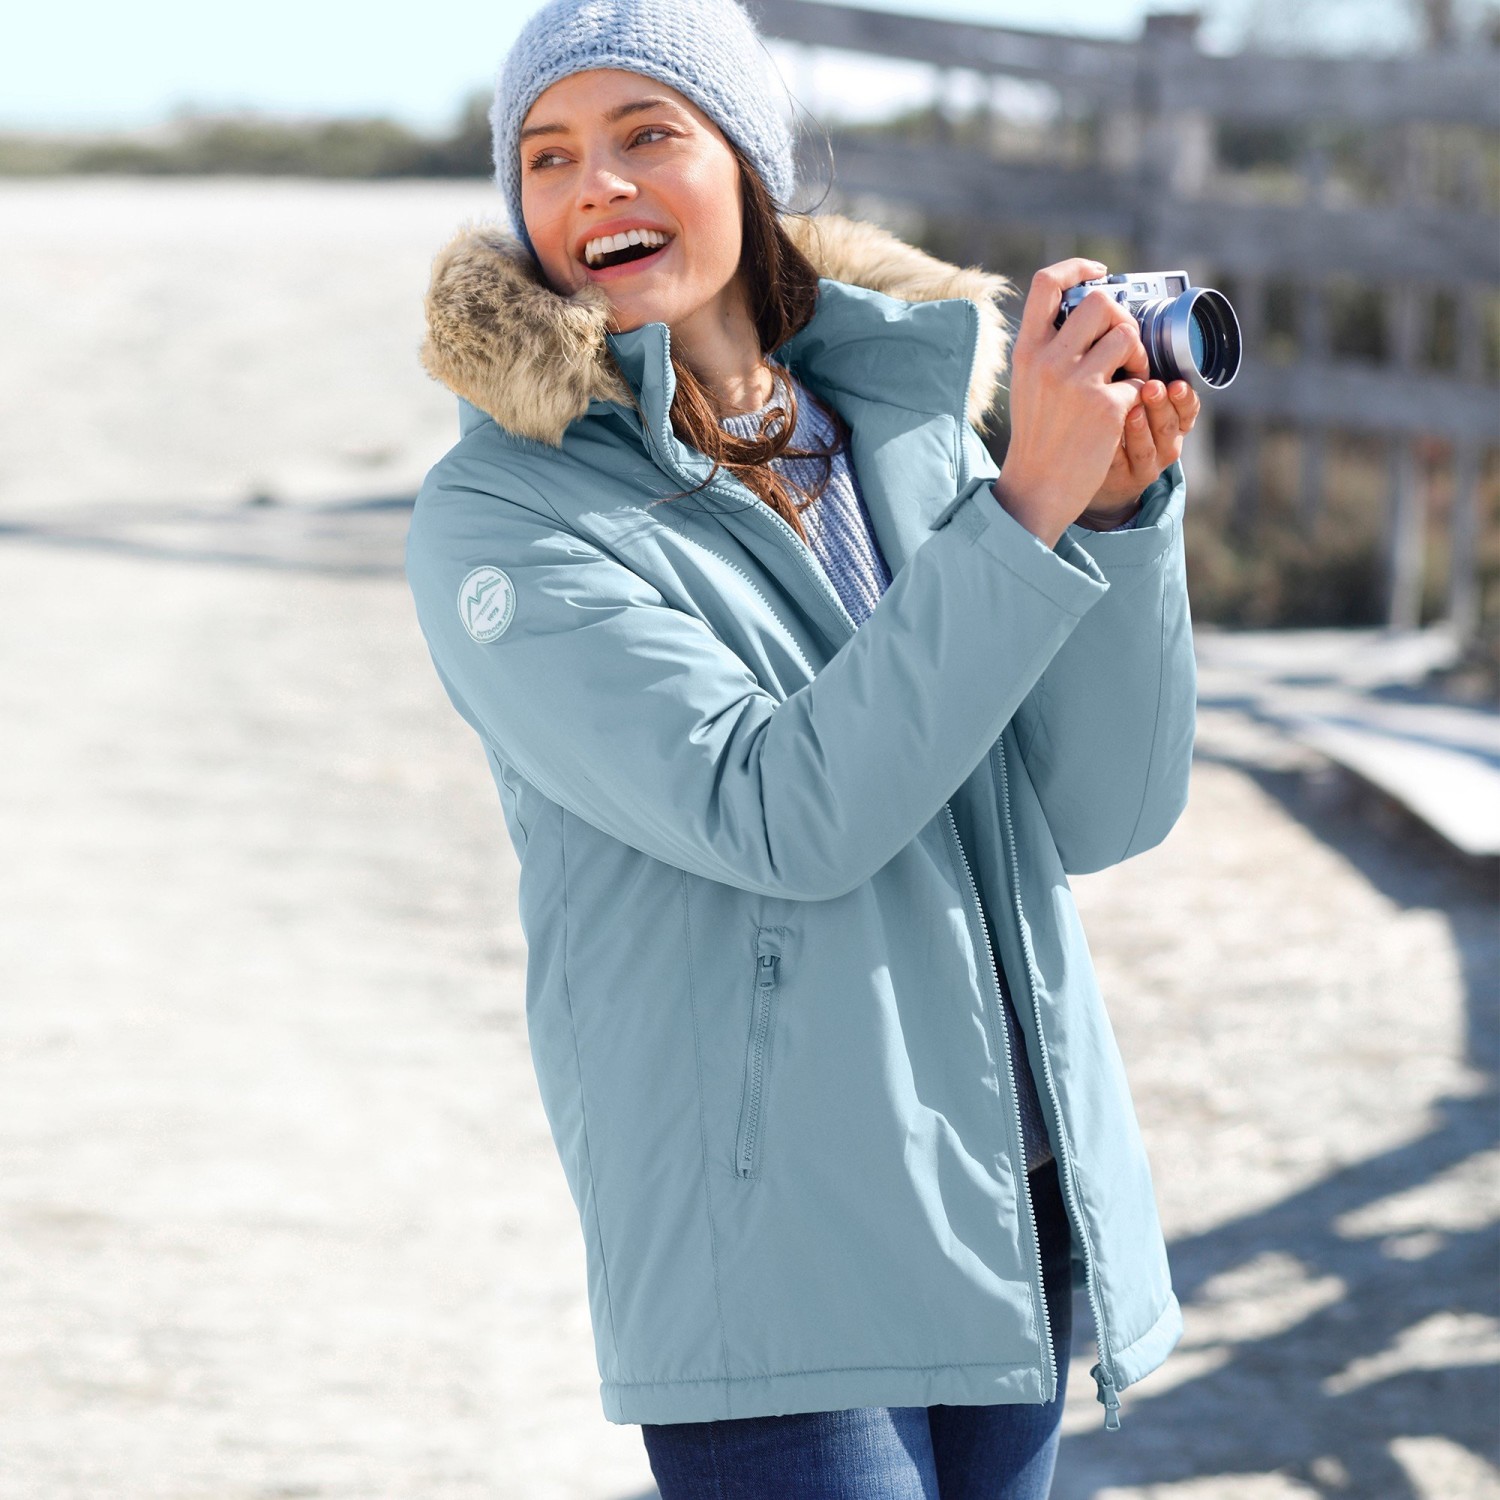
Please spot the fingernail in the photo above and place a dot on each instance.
(1137, 416)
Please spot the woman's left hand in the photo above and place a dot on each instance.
(1154, 431)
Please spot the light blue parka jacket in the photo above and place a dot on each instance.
(764, 855)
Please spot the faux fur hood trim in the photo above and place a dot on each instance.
(501, 338)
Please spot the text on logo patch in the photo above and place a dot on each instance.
(486, 603)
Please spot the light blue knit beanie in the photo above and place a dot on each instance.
(708, 50)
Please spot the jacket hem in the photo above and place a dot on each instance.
(720, 1398)
(1137, 1360)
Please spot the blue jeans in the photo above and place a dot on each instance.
(887, 1452)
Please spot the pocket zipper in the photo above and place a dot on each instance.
(767, 970)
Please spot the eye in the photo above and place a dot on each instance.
(539, 160)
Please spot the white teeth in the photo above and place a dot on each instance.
(597, 249)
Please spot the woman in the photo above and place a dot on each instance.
(800, 714)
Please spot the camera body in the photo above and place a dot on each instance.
(1190, 333)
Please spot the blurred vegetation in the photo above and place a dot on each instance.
(252, 145)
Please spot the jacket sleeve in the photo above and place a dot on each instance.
(1107, 731)
(632, 714)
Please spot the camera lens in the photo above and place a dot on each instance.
(1194, 337)
(1198, 338)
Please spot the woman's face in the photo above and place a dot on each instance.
(630, 151)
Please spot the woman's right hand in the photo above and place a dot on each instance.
(1067, 411)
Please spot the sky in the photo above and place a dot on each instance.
(100, 64)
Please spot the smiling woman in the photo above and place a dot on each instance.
(797, 772)
(623, 157)
(627, 184)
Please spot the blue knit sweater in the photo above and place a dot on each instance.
(842, 539)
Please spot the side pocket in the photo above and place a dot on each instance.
(757, 1059)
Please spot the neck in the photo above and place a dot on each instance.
(720, 345)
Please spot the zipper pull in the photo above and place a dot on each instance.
(768, 963)
(1109, 1397)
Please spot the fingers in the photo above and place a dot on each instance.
(1179, 399)
(1087, 323)
(1185, 399)
(1140, 448)
(1118, 349)
(1170, 413)
(1045, 297)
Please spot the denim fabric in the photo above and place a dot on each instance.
(887, 1452)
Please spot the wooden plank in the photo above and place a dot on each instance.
(1420, 244)
(968, 184)
(1453, 788)
(1104, 70)
(1454, 87)
(1450, 86)
(1441, 760)
(1362, 398)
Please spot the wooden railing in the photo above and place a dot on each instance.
(1154, 184)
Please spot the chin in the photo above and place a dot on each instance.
(632, 312)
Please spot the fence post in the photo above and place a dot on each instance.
(1406, 516)
(942, 105)
(1463, 518)
(1176, 153)
(1314, 352)
(1177, 146)
(1313, 349)
(1406, 519)
(1463, 569)
(1245, 501)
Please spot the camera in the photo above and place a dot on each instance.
(1190, 332)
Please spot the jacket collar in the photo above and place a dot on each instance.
(892, 323)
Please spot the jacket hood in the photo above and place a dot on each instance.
(501, 339)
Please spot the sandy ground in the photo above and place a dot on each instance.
(279, 1212)
(211, 341)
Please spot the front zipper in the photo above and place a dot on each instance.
(1102, 1373)
(767, 972)
(997, 1023)
(1103, 1378)
(811, 565)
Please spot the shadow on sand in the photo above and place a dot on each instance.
(1411, 1347)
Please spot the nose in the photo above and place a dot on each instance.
(600, 183)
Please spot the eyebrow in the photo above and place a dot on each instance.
(635, 106)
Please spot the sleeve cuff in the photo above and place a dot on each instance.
(1156, 522)
(1070, 578)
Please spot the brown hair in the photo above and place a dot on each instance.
(781, 287)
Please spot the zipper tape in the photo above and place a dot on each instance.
(1100, 1372)
(998, 1024)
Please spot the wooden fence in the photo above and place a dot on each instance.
(1153, 181)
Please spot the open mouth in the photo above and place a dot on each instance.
(628, 255)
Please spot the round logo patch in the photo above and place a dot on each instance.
(486, 603)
